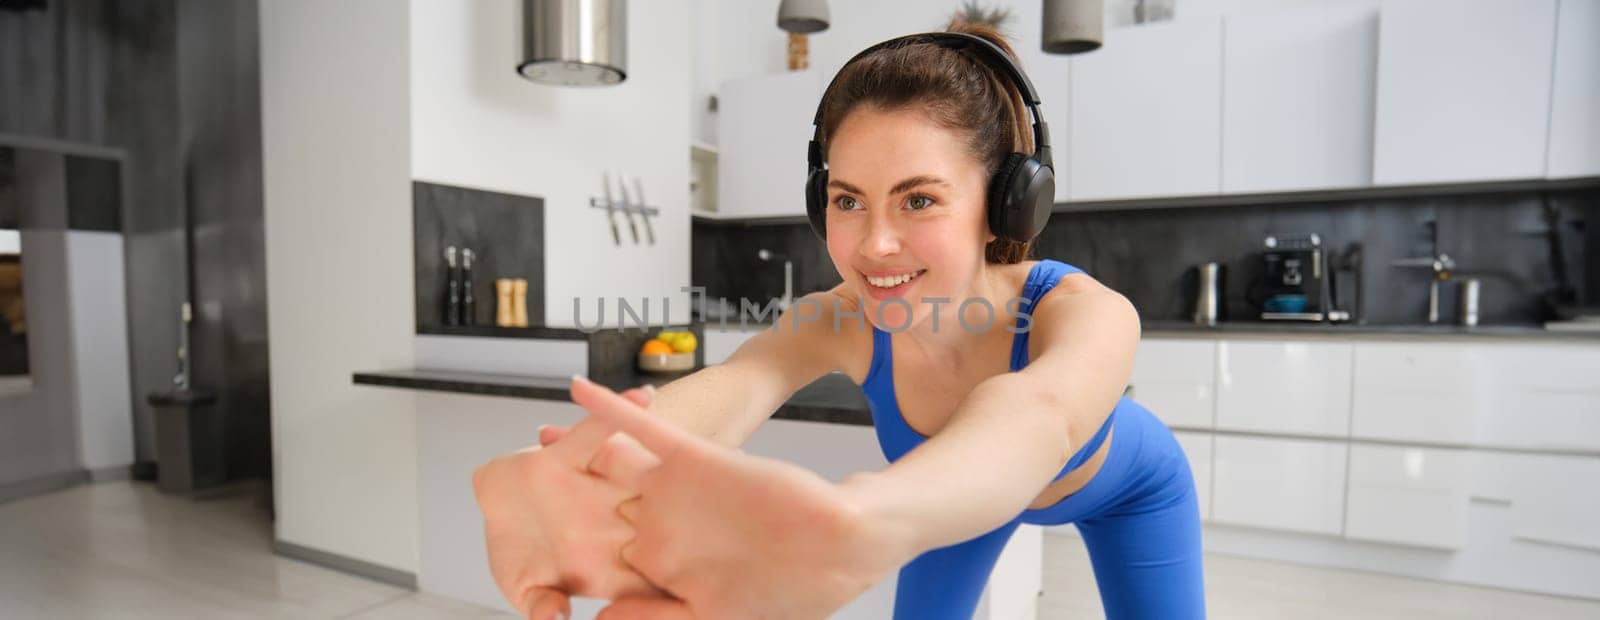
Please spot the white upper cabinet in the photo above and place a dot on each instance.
(763, 125)
(1145, 117)
(1271, 386)
(1463, 90)
(1297, 99)
(1575, 104)
(1175, 380)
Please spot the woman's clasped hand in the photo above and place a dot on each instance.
(665, 524)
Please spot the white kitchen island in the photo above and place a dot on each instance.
(460, 425)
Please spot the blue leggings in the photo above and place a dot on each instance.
(1139, 518)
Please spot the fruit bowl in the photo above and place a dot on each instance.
(666, 362)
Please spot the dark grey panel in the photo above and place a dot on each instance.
(724, 259)
(219, 145)
(10, 211)
(41, 189)
(505, 231)
(1147, 254)
(94, 193)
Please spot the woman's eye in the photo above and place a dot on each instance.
(918, 203)
(846, 203)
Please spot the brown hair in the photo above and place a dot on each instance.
(956, 90)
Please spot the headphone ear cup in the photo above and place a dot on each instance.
(999, 194)
(817, 202)
(1020, 201)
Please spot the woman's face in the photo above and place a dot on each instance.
(905, 214)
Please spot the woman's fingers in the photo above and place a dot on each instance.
(540, 603)
(658, 435)
(623, 461)
(629, 510)
(578, 444)
(549, 434)
(640, 396)
(646, 609)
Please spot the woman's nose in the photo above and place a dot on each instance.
(882, 239)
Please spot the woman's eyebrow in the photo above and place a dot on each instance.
(903, 186)
(916, 181)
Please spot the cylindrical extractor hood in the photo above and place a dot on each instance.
(574, 42)
(1072, 26)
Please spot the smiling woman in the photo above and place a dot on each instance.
(930, 174)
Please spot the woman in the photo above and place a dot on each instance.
(986, 428)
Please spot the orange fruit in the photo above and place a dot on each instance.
(655, 347)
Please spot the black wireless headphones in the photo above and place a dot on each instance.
(1022, 190)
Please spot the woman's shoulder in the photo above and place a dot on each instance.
(835, 322)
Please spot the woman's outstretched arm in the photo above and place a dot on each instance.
(1012, 434)
(728, 401)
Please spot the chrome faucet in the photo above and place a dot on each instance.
(788, 277)
(1441, 264)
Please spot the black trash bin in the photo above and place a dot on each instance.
(189, 441)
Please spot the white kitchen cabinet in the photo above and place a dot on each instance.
(1145, 113)
(1284, 484)
(1408, 495)
(1197, 447)
(1175, 380)
(1297, 99)
(720, 344)
(1525, 395)
(763, 125)
(1463, 90)
(1284, 386)
(1574, 149)
(1426, 392)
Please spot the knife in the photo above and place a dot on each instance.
(627, 208)
(649, 229)
(611, 213)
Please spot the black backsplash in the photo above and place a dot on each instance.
(504, 231)
(1147, 255)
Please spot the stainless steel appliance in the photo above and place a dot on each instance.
(1208, 296)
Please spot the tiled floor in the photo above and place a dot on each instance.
(1244, 588)
(122, 550)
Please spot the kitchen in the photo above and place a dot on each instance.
(1354, 232)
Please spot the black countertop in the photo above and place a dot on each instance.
(833, 399)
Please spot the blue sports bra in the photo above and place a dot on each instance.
(896, 437)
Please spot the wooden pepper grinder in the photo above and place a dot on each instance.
(799, 52)
(519, 302)
(504, 314)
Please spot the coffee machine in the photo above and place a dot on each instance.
(1295, 277)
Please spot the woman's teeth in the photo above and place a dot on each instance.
(893, 281)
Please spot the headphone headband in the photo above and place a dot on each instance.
(1021, 188)
(989, 54)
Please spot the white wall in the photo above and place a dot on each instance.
(744, 38)
(476, 123)
(336, 172)
(102, 392)
(38, 432)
